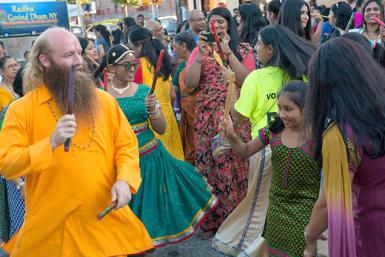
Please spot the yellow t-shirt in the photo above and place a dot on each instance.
(258, 100)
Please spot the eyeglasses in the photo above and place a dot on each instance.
(128, 65)
(16, 65)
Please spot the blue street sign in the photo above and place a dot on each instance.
(31, 19)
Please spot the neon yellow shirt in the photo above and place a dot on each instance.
(259, 96)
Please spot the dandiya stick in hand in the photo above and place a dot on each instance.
(107, 210)
(380, 22)
(70, 100)
(157, 71)
(217, 40)
(105, 78)
(229, 97)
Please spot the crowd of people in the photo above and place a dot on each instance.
(279, 149)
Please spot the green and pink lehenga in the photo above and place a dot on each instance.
(174, 198)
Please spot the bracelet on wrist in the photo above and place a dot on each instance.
(153, 112)
(155, 116)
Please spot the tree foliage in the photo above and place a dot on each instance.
(82, 2)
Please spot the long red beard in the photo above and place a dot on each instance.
(85, 102)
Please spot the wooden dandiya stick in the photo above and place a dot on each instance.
(350, 22)
(157, 71)
(229, 97)
(70, 100)
(380, 22)
(107, 210)
(105, 79)
(217, 40)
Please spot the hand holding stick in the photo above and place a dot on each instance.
(216, 37)
(380, 22)
(157, 71)
(107, 210)
(70, 100)
(105, 78)
(230, 93)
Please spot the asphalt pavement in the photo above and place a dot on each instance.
(193, 247)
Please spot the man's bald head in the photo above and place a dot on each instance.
(57, 44)
(197, 21)
(156, 29)
(195, 14)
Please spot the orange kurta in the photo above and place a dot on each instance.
(66, 191)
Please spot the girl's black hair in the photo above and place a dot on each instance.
(185, 25)
(252, 21)
(151, 48)
(290, 17)
(104, 32)
(18, 82)
(187, 38)
(348, 94)
(296, 90)
(291, 53)
(360, 39)
(117, 36)
(231, 28)
(342, 12)
(274, 7)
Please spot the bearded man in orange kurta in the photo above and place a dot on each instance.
(65, 191)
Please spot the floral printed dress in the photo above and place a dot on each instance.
(228, 175)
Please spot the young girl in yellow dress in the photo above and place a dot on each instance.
(147, 49)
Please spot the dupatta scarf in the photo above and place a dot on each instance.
(338, 194)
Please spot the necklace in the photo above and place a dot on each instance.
(92, 137)
(120, 90)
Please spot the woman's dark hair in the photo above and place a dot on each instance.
(291, 53)
(151, 48)
(296, 90)
(129, 22)
(181, 25)
(18, 82)
(187, 38)
(359, 3)
(98, 73)
(252, 21)
(4, 59)
(104, 32)
(290, 17)
(231, 28)
(379, 4)
(274, 7)
(360, 39)
(378, 52)
(348, 94)
(117, 36)
(342, 12)
(83, 43)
